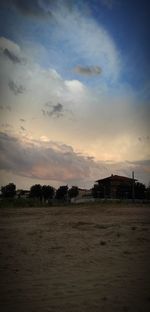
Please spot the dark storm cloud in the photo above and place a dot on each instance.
(54, 110)
(38, 8)
(11, 56)
(30, 7)
(88, 70)
(55, 161)
(4, 137)
(7, 144)
(43, 160)
(57, 110)
(15, 88)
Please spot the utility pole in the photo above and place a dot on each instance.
(133, 189)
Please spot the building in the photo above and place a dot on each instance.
(22, 194)
(84, 196)
(115, 186)
(84, 193)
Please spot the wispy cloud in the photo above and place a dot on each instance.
(6, 125)
(15, 88)
(88, 70)
(106, 121)
(144, 139)
(22, 119)
(87, 41)
(108, 3)
(22, 128)
(7, 107)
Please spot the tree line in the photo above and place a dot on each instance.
(45, 193)
(41, 192)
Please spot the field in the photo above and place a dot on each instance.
(75, 258)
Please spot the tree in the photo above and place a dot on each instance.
(9, 190)
(36, 191)
(47, 192)
(140, 190)
(62, 192)
(147, 193)
(73, 192)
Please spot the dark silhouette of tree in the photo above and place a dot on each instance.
(140, 190)
(47, 192)
(9, 190)
(36, 191)
(73, 192)
(147, 192)
(62, 192)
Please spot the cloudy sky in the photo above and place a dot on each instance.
(75, 91)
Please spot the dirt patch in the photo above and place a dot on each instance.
(73, 259)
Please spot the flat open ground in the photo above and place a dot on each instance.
(78, 258)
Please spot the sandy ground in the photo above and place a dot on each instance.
(80, 258)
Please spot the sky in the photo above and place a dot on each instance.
(75, 91)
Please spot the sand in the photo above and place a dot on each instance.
(77, 258)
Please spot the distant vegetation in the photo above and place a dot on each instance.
(8, 191)
(46, 195)
(38, 195)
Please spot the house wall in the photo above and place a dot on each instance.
(116, 188)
